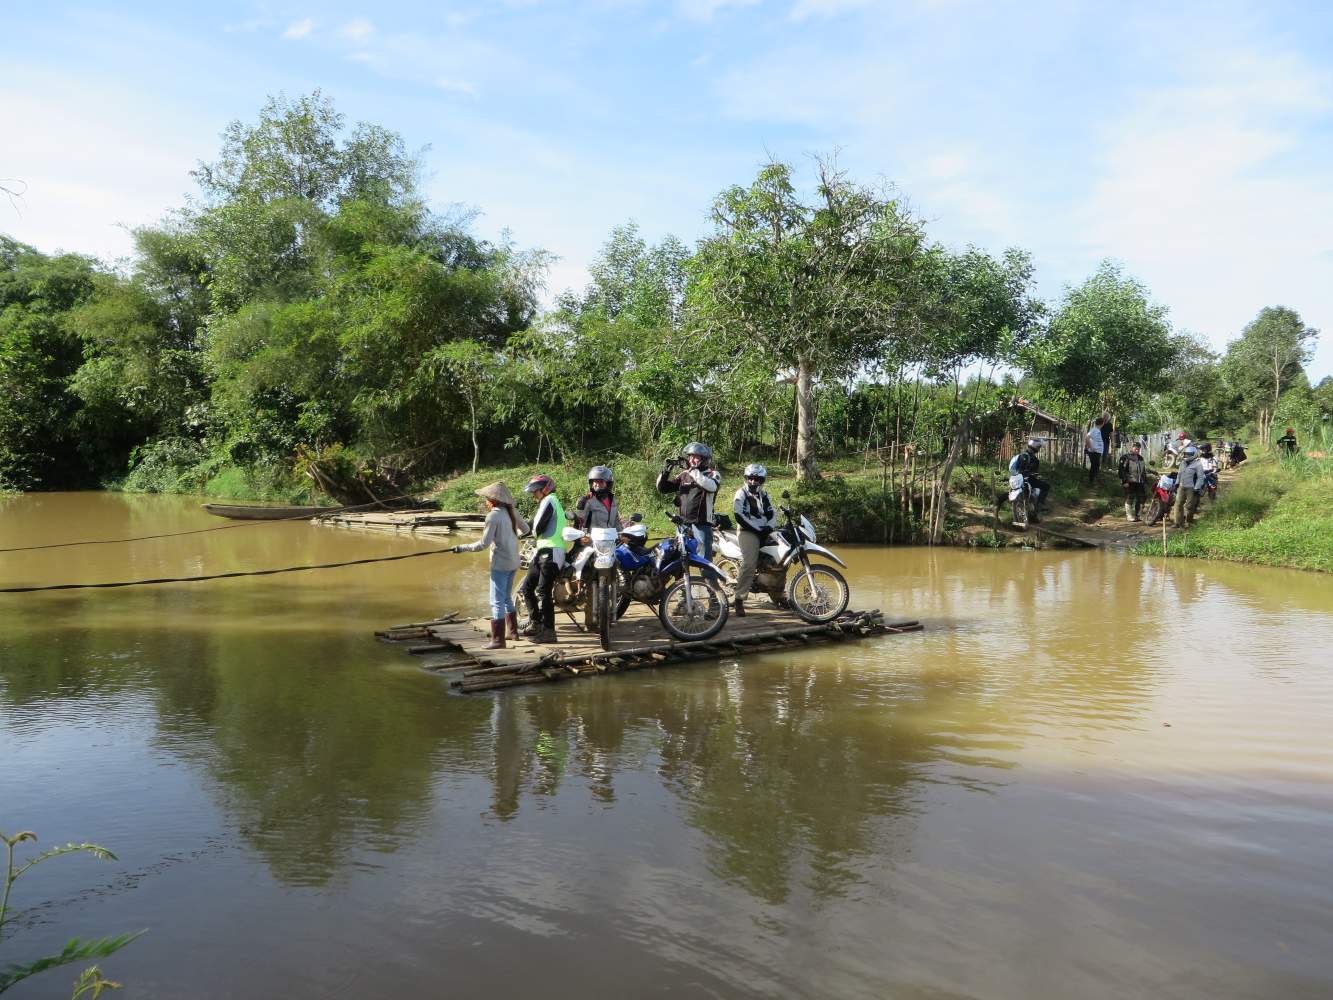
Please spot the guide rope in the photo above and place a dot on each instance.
(220, 576)
(201, 531)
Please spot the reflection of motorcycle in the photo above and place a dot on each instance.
(1163, 495)
(1025, 499)
(669, 577)
(817, 593)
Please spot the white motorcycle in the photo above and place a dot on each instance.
(816, 592)
(589, 580)
(1025, 499)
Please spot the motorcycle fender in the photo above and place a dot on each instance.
(1013, 494)
(814, 550)
(728, 545)
(700, 561)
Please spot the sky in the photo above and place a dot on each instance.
(1191, 142)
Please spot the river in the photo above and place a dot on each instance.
(1092, 775)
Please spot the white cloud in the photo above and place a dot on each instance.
(299, 29)
(705, 10)
(358, 31)
(95, 159)
(1208, 191)
(803, 9)
(455, 86)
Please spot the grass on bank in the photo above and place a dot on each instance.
(1274, 512)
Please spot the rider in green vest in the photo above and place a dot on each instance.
(548, 526)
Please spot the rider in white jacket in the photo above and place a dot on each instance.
(755, 518)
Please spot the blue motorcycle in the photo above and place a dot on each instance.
(669, 576)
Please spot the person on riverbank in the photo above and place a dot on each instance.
(1094, 446)
(1027, 464)
(1238, 456)
(500, 535)
(1133, 480)
(1108, 438)
(1189, 488)
(548, 526)
(1287, 443)
(755, 519)
(695, 488)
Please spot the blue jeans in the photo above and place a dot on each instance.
(502, 592)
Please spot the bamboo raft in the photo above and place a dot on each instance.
(426, 523)
(454, 643)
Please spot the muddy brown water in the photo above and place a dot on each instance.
(1093, 775)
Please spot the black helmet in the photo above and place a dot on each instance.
(600, 472)
(700, 449)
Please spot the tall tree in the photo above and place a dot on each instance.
(817, 285)
(1268, 358)
(1107, 346)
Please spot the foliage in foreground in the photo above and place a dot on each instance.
(91, 982)
(1274, 512)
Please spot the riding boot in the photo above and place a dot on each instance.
(1129, 512)
(511, 626)
(546, 636)
(497, 634)
(740, 607)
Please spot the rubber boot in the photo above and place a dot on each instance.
(511, 626)
(546, 637)
(740, 607)
(497, 634)
(1129, 512)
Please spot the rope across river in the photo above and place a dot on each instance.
(219, 576)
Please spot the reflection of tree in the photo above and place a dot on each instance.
(315, 755)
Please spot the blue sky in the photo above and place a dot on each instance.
(1192, 142)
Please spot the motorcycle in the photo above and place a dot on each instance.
(690, 607)
(1025, 499)
(1163, 495)
(817, 593)
(590, 580)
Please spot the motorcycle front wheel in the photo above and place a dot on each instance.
(693, 609)
(1020, 512)
(605, 600)
(818, 595)
(1154, 512)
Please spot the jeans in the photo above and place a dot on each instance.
(705, 535)
(502, 596)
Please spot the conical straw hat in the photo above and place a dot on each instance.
(498, 492)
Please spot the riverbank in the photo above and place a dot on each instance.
(1270, 512)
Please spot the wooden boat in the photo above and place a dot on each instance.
(255, 512)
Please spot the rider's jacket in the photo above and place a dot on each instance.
(1026, 463)
(694, 489)
(594, 512)
(1191, 475)
(754, 511)
(1133, 469)
(548, 526)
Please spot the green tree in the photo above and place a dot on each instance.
(1106, 347)
(1267, 359)
(816, 285)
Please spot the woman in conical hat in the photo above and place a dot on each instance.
(503, 526)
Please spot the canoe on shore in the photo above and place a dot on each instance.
(254, 512)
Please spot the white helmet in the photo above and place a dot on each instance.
(755, 469)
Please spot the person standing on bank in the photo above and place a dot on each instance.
(755, 518)
(548, 526)
(1094, 446)
(1287, 442)
(1189, 487)
(695, 487)
(503, 526)
(1108, 437)
(1133, 478)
